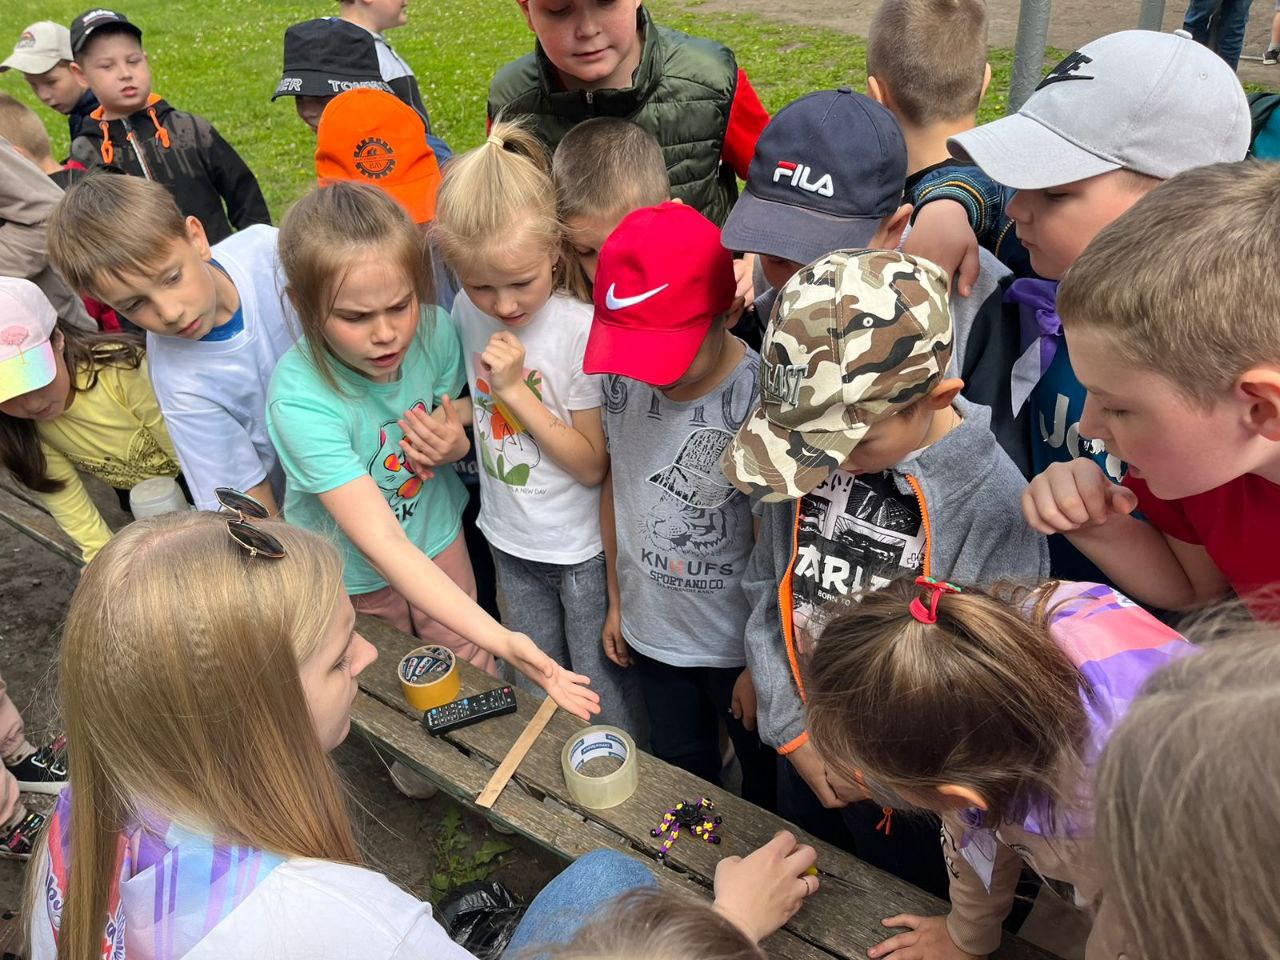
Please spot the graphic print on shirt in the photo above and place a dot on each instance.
(687, 530)
(508, 451)
(392, 473)
(856, 534)
(143, 459)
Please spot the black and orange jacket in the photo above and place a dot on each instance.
(186, 154)
(969, 495)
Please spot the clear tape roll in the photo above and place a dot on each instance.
(600, 793)
(429, 677)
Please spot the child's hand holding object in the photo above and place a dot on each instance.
(431, 440)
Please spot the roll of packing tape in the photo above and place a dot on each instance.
(429, 677)
(600, 793)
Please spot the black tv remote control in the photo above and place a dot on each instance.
(469, 710)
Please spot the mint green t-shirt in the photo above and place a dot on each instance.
(326, 439)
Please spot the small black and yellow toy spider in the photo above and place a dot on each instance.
(694, 816)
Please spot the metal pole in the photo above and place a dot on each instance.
(1151, 15)
(1028, 54)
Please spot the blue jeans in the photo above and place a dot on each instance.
(1233, 17)
(575, 896)
(562, 609)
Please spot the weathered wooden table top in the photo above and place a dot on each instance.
(842, 918)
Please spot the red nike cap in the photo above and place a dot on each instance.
(662, 278)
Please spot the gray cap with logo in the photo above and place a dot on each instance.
(856, 337)
(1154, 103)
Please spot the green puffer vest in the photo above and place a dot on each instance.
(681, 93)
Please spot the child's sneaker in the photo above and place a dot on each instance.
(44, 771)
(17, 841)
(1271, 57)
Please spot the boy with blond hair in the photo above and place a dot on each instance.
(26, 134)
(603, 170)
(215, 316)
(1183, 383)
(43, 56)
(1106, 126)
(141, 134)
(927, 62)
(27, 201)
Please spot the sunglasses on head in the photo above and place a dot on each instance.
(254, 539)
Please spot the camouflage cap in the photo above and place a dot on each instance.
(854, 338)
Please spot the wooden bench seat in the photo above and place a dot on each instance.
(841, 920)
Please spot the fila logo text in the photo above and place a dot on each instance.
(798, 175)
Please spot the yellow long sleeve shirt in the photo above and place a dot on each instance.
(113, 431)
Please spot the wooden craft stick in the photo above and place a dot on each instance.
(506, 770)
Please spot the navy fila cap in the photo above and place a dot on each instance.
(827, 169)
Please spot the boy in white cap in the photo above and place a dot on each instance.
(1109, 123)
(43, 56)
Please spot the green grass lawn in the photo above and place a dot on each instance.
(222, 59)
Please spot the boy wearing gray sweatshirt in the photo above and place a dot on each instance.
(871, 467)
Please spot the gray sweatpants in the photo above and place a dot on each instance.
(562, 608)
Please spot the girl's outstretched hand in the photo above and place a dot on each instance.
(762, 891)
(568, 690)
(926, 939)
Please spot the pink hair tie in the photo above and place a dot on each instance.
(934, 589)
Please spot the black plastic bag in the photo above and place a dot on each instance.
(481, 917)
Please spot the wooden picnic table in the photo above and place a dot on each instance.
(842, 919)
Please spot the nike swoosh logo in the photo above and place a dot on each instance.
(621, 303)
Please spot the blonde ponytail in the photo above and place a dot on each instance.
(498, 195)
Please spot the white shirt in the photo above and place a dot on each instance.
(311, 910)
(391, 65)
(213, 394)
(529, 506)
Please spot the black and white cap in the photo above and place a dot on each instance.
(327, 56)
(95, 20)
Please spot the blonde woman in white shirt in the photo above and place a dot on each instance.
(208, 666)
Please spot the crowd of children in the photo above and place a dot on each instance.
(879, 483)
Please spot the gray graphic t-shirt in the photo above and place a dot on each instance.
(684, 532)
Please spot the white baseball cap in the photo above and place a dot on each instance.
(27, 320)
(41, 47)
(1154, 103)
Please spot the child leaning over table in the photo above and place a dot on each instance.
(675, 531)
(882, 469)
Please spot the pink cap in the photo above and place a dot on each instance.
(662, 278)
(26, 324)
